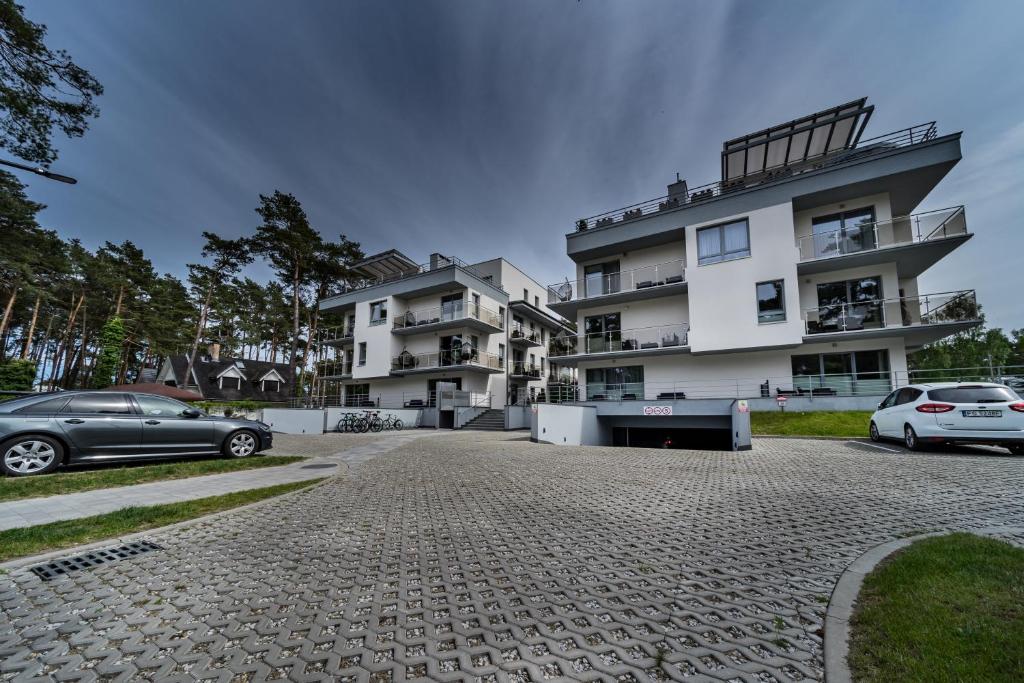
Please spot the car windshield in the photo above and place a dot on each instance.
(973, 394)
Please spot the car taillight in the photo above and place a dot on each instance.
(934, 408)
(1017, 407)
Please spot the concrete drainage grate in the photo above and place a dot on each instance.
(318, 466)
(52, 570)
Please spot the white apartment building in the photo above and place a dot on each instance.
(409, 329)
(794, 275)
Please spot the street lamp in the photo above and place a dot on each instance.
(39, 170)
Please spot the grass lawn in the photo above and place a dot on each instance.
(949, 608)
(853, 423)
(38, 539)
(71, 481)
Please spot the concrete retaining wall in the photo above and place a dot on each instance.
(294, 420)
(568, 424)
(410, 417)
(518, 417)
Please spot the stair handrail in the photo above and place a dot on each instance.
(480, 400)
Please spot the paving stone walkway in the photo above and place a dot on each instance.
(484, 557)
(324, 460)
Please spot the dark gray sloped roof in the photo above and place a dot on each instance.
(206, 372)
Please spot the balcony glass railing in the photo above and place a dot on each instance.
(916, 228)
(449, 312)
(438, 262)
(927, 309)
(341, 333)
(445, 359)
(602, 284)
(522, 369)
(865, 149)
(638, 339)
(333, 368)
(518, 332)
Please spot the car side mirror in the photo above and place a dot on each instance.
(881, 404)
(191, 412)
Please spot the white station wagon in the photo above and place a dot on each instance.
(953, 413)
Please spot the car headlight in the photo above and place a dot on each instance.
(264, 426)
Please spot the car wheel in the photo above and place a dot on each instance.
(873, 432)
(31, 454)
(240, 444)
(910, 438)
(1016, 449)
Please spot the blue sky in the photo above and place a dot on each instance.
(447, 126)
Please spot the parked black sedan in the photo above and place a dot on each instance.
(40, 433)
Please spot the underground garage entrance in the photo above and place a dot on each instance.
(669, 437)
(699, 424)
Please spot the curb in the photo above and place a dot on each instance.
(19, 562)
(806, 438)
(844, 597)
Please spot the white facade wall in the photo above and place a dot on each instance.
(723, 304)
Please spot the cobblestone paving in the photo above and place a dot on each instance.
(486, 558)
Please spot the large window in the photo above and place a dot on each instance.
(844, 233)
(357, 395)
(848, 305)
(771, 301)
(379, 312)
(603, 332)
(451, 306)
(601, 278)
(848, 374)
(723, 242)
(615, 384)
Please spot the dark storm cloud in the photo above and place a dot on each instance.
(483, 128)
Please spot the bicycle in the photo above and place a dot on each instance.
(351, 422)
(392, 422)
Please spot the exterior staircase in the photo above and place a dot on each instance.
(492, 420)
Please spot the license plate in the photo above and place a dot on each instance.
(983, 413)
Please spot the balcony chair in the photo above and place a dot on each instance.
(628, 397)
(671, 395)
(649, 345)
(672, 279)
(645, 284)
(670, 341)
(414, 403)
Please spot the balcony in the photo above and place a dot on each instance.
(663, 279)
(523, 370)
(524, 338)
(864, 149)
(453, 315)
(404, 278)
(327, 369)
(336, 336)
(920, 320)
(445, 361)
(915, 242)
(632, 343)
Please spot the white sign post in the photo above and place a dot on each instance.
(781, 400)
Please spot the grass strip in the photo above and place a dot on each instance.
(70, 481)
(852, 423)
(949, 608)
(73, 532)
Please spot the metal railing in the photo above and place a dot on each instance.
(444, 359)
(437, 262)
(524, 369)
(448, 312)
(916, 228)
(865, 148)
(637, 339)
(926, 309)
(644, 277)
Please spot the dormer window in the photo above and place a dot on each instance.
(229, 382)
(271, 385)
